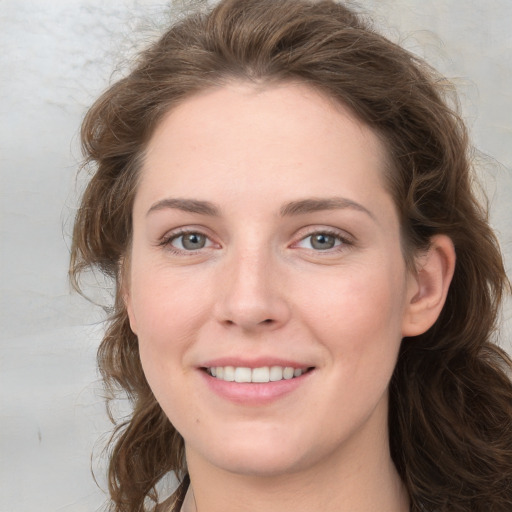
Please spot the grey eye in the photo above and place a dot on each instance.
(322, 241)
(190, 241)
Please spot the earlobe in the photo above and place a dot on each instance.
(429, 286)
(124, 290)
(129, 311)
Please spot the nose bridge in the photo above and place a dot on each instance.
(252, 292)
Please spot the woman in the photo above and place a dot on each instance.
(306, 286)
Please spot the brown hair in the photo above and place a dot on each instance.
(450, 396)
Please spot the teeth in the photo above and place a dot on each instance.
(243, 375)
(276, 373)
(263, 374)
(288, 373)
(260, 374)
(228, 371)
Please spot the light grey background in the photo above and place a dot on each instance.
(55, 58)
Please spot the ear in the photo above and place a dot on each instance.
(428, 286)
(123, 278)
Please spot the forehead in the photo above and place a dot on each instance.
(247, 137)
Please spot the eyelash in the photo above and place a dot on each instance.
(346, 242)
(167, 240)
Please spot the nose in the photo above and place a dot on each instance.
(252, 292)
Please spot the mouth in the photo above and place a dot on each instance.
(261, 374)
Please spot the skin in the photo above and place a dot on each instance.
(258, 288)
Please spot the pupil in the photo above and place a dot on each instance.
(193, 241)
(323, 242)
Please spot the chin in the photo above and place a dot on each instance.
(259, 463)
(261, 454)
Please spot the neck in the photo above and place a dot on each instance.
(351, 481)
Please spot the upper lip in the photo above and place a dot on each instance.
(253, 363)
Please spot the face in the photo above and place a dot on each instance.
(266, 282)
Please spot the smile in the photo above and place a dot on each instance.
(255, 375)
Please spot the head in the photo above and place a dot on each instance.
(334, 58)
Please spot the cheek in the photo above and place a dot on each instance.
(356, 297)
(164, 305)
(164, 317)
(357, 314)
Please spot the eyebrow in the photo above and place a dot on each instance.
(299, 207)
(186, 205)
(311, 205)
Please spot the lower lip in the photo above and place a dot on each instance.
(257, 393)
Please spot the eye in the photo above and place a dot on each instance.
(190, 241)
(322, 241)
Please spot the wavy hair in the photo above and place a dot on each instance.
(450, 418)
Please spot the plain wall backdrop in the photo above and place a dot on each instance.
(56, 56)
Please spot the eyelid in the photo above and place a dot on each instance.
(346, 239)
(170, 236)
